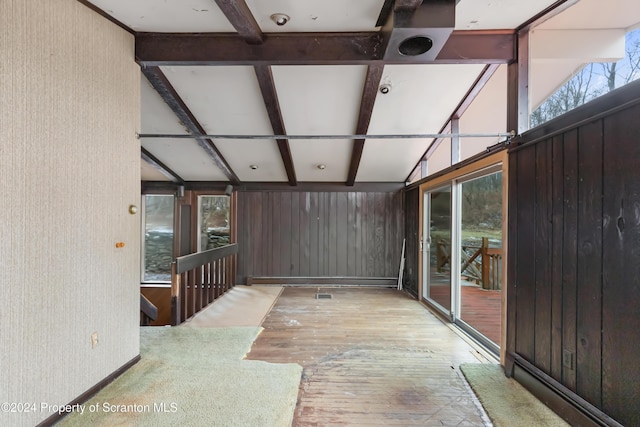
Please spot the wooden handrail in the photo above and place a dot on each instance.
(198, 279)
(148, 311)
(484, 265)
(197, 259)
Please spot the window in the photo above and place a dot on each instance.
(213, 222)
(591, 81)
(158, 238)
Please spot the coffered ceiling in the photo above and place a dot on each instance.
(323, 98)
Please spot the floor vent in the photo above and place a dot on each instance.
(324, 296)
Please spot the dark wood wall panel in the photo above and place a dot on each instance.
(574, 256)
(542, 257)
(569, 256)
(525, 249)
(319, 234)
(621, 259)
(589, 282)
(556, 247)
(412, 245)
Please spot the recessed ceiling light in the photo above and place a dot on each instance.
(254, 167)
(280, 19)
(321, 166)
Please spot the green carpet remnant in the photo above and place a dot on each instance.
(195, 377)
(507, 403)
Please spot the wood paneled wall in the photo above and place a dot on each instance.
(292, 234)
(412, 231)
(574, 243)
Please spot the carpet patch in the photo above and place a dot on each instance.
(191, 376)
(507, 402)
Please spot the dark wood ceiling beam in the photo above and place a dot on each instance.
(407, 4)
(168, 93)
(239, 15)
(160, 167)
(470, 47)
(270, 96)
(371, 83)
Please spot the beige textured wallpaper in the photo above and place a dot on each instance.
(69, 169)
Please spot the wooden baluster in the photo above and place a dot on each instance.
(175, 295)
(485, 264)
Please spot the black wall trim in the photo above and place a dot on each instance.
(560, 399)
(92, 391)
(324, 281)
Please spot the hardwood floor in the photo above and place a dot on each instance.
(371, 357)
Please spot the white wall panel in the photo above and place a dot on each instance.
(69, 111)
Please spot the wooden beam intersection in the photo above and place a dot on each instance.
(240, 16)
(463, 47)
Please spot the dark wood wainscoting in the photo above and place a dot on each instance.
(574, 246)
(319, 234)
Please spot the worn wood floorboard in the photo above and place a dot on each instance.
(371, 357)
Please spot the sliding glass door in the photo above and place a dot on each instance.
(480, 251)
(462, 252)
(436, 247)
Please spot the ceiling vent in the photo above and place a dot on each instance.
(420, 34)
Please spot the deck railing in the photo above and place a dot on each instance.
(198, 279)
(479, 263)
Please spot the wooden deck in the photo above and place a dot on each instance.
(370, 357)
(481, 308)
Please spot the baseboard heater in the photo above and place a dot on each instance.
(386, 282)
(567, 404)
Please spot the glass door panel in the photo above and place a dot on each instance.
(481, 255)
(213, 222)
(158, 238)
(437, 248)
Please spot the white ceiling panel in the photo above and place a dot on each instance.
(486, 114)
(167, 16)
(155, 115)
(149, 173)
(390, 160)
(335, 155)
(241, 154)
(320, 16)
(596, 14)
(422, 97)
(317, 100)
(441, 158)
(186, 158)
(225, 100)
(228, 100)
(496, 14)
(320, 100)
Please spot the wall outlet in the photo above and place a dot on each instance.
(94, 340)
